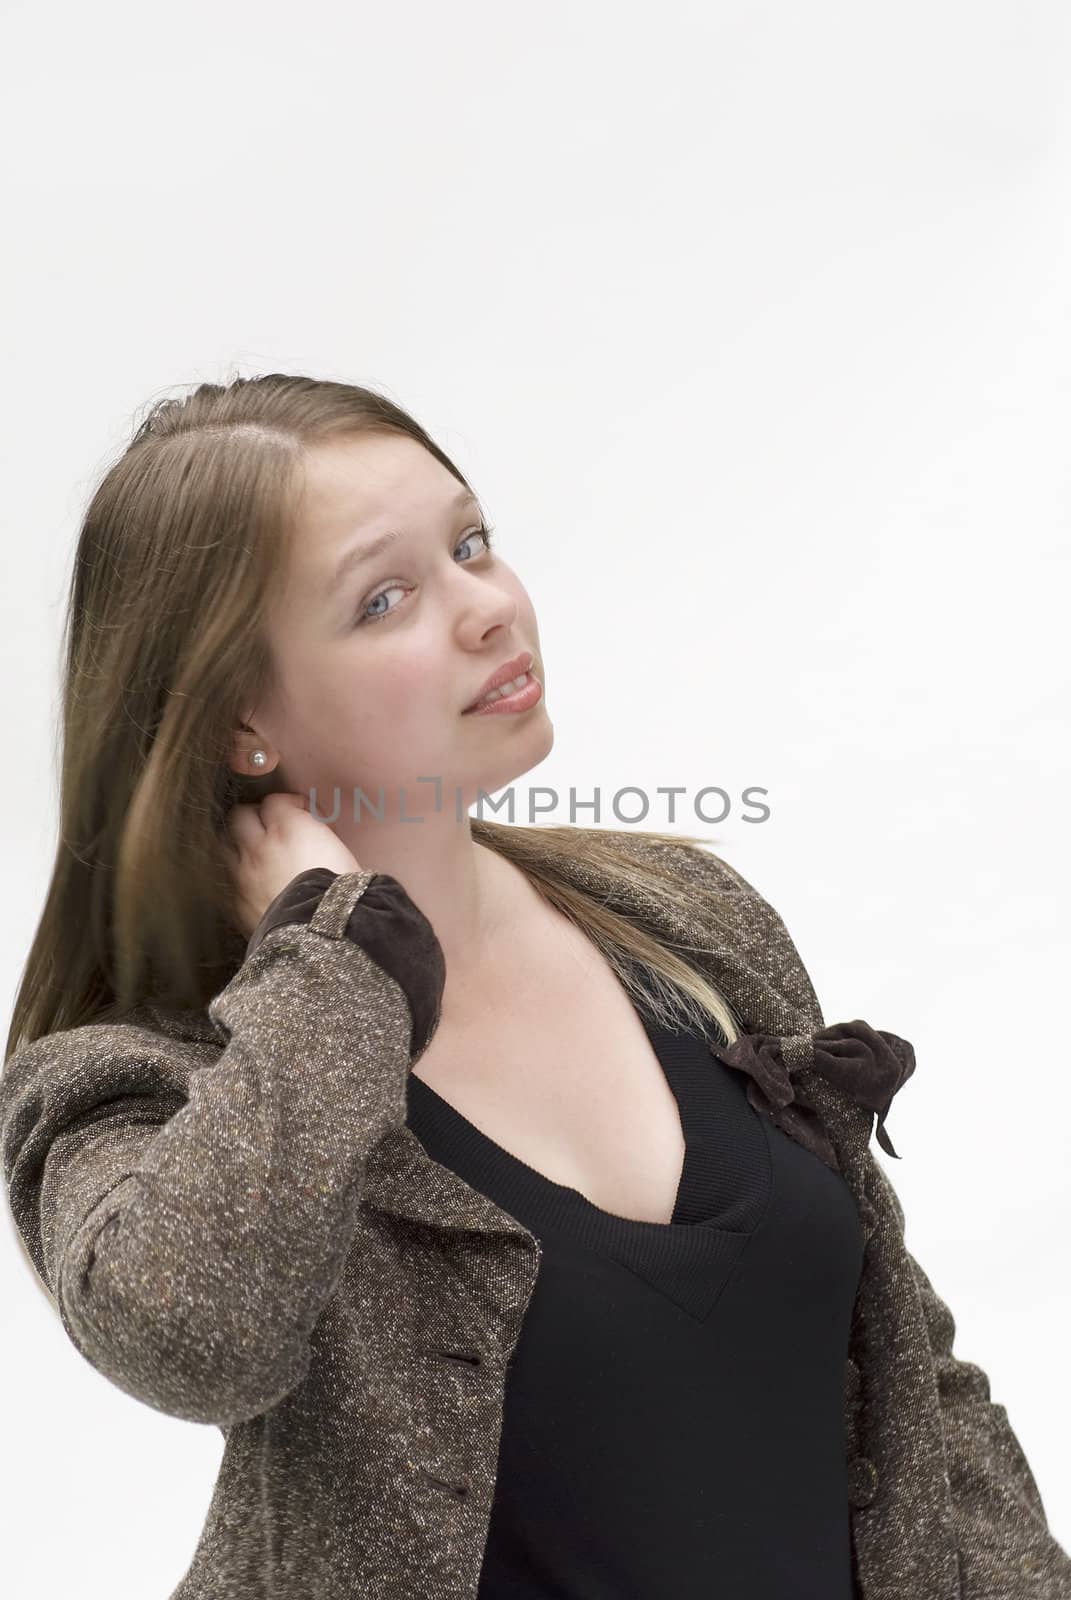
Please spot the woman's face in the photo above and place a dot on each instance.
(377, 656)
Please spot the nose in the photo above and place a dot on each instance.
(484, 606)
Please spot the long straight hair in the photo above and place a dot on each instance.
(181, 551)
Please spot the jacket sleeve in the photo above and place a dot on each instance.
(190, 1204)
(1005, 1543)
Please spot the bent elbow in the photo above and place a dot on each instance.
(155, 1338)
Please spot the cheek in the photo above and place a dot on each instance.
(400, 692)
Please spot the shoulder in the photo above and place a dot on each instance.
(732, 919)
(678, 878)
(682, 859)
(685, 857)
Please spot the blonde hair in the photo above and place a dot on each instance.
(181, 550)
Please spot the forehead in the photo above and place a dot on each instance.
(365, 483)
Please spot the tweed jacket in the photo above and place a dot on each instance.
(238, 1228)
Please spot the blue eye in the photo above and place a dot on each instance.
(483, 532)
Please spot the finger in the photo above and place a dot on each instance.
(244, 821)
(284, 800)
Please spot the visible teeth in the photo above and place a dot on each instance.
(506, 688)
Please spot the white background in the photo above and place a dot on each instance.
(750, 326)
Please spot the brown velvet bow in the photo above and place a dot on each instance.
(865, 1063)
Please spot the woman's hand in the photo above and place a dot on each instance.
(273, 841)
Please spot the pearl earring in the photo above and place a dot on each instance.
(258, 758)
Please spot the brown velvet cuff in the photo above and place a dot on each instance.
(387, 925)
(296, 903)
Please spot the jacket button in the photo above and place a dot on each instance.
(862, 1481)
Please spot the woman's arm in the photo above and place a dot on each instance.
(191, 1207)
(1000, 1520)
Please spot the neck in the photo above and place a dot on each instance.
(471, 896)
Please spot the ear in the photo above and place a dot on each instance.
(246, 740)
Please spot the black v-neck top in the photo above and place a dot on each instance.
(673, 1423)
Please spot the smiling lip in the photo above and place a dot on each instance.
(505, 674)
(522, 699)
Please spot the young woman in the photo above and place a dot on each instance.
(498, 1191)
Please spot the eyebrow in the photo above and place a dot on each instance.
(358, 554)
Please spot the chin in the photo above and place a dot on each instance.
(523, 757)
(520, 758)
